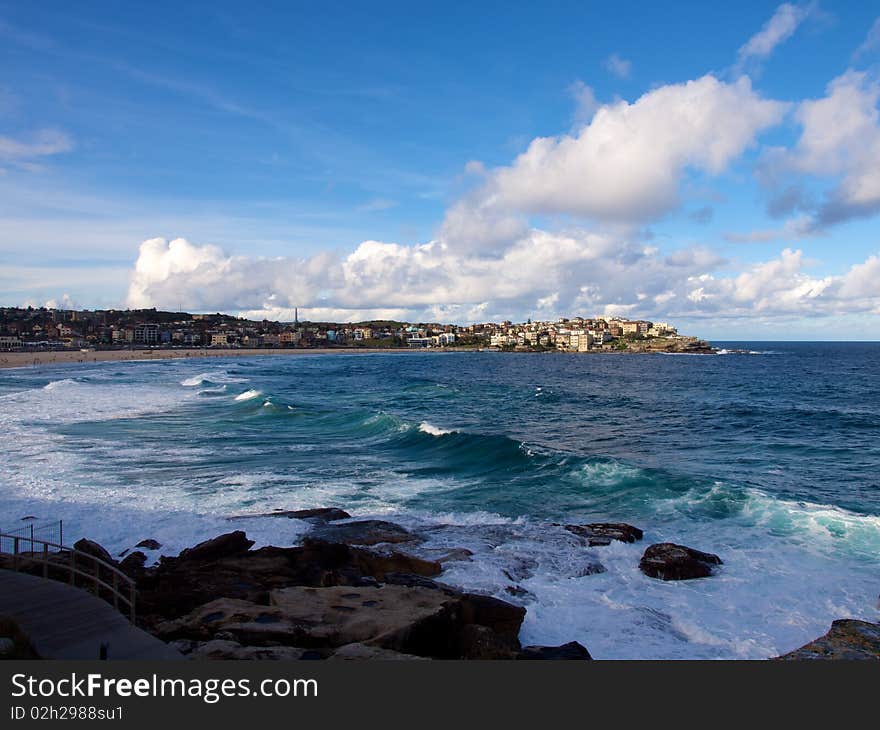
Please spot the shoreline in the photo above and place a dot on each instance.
(65, 357)
(70, 357)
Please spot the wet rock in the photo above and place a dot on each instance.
(518, 592)
(571, 651)
(455, 555)
(318, 514)
(669, 561)
(363, 532)
(90, 547)
(602, 533)
(224, 546)
(520, 569)
(847, 639)
(149, 544)
(590, 568)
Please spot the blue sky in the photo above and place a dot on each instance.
(276, 138)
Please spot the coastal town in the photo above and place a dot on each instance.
(42, 329)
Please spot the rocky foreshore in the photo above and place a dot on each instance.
(351, 590)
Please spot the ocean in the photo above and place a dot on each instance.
(766, 454)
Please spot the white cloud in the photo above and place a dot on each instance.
(780, 27)
(625, 165)
(792, 229)
(840, 139)
(542, 273)
(586, 103)
(618, 66)
(40, 144)
(871, 42)
(377, 204)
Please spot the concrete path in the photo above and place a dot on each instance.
(64, 622)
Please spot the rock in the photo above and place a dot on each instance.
(133, 564)
(418, 581)
(218, 649)
(408, 620)
(149, 544)
(454, 555)
(602, 533)
(520, 569)
(481, 642)
(319, 514)
(571, 650)
(90, 547)
(518, 592)
(387, 616)
(360, 651)
(238, 620)
(847, 639)
(669, 561)
(177, 586)
(502, 617)
(232, 543)
(590, 568)
(185, 646)
(363, 532)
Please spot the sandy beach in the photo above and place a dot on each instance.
(64, 357)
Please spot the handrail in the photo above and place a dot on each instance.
(118, 592)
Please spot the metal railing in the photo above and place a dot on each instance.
(51, 531)
(50, 556)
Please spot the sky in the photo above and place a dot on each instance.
(713, 167)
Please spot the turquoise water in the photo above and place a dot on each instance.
(769, 459)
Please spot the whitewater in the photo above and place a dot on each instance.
(766, 455)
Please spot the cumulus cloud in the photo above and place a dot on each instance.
(625, 165)
(839, 140)
(779, 28)
(622, 166)
(543, 273)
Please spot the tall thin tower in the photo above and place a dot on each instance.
(296, 316)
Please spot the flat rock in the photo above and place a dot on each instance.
(669, 561)
(384, 616)
(178, 585)
(570, 651)
(318, 514)
(847, 639)
(602, 533)
(358, 651)
(219, 649)
(363, 532)
(406, 619)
